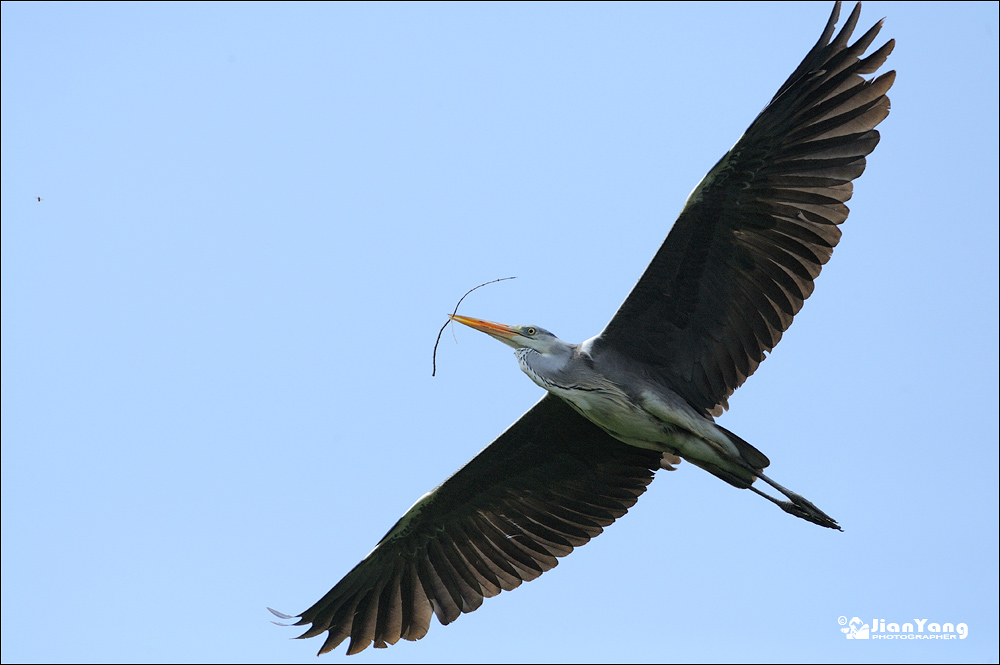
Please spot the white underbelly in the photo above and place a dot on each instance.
(654, 421)
(652, 424)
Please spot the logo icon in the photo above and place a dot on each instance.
(855, 630)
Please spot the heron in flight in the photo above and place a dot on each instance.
(735, 268)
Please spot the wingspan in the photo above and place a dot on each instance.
(550, 483)
(741, 259)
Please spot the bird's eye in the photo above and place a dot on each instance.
(530, 331)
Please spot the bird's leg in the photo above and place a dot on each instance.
(806, 510)
(798, 505)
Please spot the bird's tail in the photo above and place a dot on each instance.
(750, 455)
(741, 473)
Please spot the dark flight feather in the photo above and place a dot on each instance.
(741, 258)
(550, 483)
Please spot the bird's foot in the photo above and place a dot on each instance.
(804, 508)
(801, 507)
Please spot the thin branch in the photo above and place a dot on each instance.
(440, 332)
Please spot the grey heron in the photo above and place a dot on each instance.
(642, 395)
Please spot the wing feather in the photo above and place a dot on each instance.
(742, 257)
(548, 484)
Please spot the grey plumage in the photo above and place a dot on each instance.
(734, 270)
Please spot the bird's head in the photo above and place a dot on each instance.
(519, 337)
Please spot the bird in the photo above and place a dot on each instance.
(643, 394)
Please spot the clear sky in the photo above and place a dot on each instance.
(218, 323)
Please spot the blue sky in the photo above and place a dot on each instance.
(218, 323)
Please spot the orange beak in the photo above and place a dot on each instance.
(498, 330)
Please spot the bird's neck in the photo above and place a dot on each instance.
(545, 369)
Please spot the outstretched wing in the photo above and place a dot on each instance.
(741, 259)
(550, 483)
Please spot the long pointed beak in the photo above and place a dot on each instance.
(496, 330)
